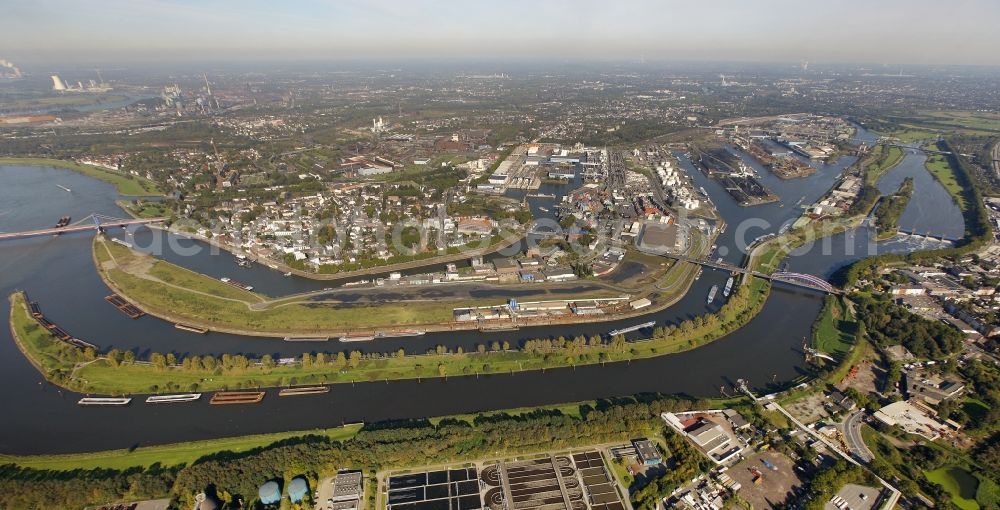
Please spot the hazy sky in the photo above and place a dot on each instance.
(876, 31)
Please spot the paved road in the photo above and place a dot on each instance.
(855, 442)
(996, 158)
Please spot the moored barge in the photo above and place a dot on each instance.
(303, 390)
(171, 399)
(236, 397)
(105, 401)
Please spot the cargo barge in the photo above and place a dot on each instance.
(304, 390)
(357, 338)
(171, 399)
(238, 285)
(630, 329)
(123, 306)
(307, 338)
(104, 401)
(236, 397)
(401, 333)
(193, 329)
(499, 327)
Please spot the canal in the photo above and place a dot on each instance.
(59, 274)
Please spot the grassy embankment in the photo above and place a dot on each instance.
(126, 184)
(938, 166)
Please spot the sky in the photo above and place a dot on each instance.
(841, 31)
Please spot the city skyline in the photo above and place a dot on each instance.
(891, 32)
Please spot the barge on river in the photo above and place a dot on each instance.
(238, 285)
(105, 401)
(173, 399)
(123, 306)
(306, 338)
(303, 390)
(357, 338)
(236, 397)
(193, 329)
(399, 333)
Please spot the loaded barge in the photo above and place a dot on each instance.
(630, 329)
(306, 338)
(236, 397)
(238, 285)
(357, 338)
(171, 399)
(303, 390)
(104, 401)
(54, 329)
(132, 311)
(193, 329)
(400, 333)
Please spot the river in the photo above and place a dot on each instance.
(59, 274)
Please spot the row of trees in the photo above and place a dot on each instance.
(376, 446)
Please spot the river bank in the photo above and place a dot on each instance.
(125, 184)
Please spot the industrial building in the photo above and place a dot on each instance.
(647, 452)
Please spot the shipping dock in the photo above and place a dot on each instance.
(630, 329)
(236, 397)
(193, 329)
(104, 401)
(123, 306)
(171, 399)
(303, 390)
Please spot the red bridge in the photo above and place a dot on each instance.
(97, 222)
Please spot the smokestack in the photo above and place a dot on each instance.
(58, 84)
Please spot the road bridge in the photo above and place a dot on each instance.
(807, 281)
(97, 222)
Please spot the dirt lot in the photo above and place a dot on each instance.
(776, 485)
(866, 380)
(808, 409)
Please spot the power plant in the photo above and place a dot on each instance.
(59, 85)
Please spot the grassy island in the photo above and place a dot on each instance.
(892, 207)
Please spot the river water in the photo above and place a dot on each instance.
(59, 274)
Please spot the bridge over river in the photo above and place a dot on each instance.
(97, 222)
(807, 281)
